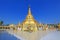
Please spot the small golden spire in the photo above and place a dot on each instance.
(19, 23)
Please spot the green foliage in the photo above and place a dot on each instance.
(7, 24)
(1, 22)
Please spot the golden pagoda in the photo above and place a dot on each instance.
(29, 24)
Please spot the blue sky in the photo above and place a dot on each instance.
(44, 11)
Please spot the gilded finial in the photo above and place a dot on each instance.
(29, 11)
(29, 6)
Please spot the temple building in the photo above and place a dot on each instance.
(58, 26)
(29, 24)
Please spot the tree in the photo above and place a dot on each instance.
(1, 22)
(7, 24)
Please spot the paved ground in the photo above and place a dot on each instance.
(30, 36)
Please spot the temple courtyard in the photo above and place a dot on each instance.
(38, 35)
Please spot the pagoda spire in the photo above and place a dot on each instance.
(29, 10)
(19, 23)
(29, 16)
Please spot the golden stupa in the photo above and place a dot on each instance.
(29, 24)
